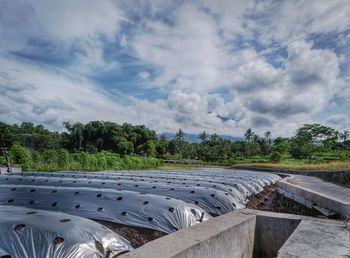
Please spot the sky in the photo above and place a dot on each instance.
(215, 65)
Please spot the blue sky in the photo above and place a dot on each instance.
(220, 66)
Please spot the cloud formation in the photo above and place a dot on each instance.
(219, 66)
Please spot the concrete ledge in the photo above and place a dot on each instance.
(341, 176)
(230, 235)
(309, 197)
(250, 233)
(321, 239)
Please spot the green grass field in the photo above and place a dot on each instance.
(291, 164)
(299, 165)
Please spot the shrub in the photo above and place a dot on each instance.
(276, 157)
(20, 155)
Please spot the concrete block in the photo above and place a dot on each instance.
(230, 235)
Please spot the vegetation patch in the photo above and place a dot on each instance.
(100, 145)
(340, 165)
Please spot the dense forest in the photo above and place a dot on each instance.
(101, 145)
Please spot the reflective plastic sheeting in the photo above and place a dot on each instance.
(125, 207)
(44, 234)
(117, 182)
(214, 201)
(248, 182)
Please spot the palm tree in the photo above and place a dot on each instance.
(345, 135)
(248, 135)
(162, 138)
(180, 135)
(267, 135)
(214, 138)
(203, 136)
(255, 137)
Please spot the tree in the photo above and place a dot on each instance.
(256, 137)
(8, 135)
(20, 155)
(75, 135)
(215, 139)
(311, 138)
(148, 149)
(276, 157)
(281, 145)
(267, 137)
(162, 146)
(252, 149)
(345, 135)
(321, 135)
(124, 147)
(203, 136)
(180, 141)
(248, 135)
(180, 135)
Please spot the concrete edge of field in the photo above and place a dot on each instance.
(207, 239)
(251, 233)
(310, 197)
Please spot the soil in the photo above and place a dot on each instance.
(135, 235)
(257, 199)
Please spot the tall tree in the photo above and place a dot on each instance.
(203, 136)
(180, 135)
(215, 138)
(248, 135)
(345, 135)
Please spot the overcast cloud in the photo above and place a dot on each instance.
(220, 66)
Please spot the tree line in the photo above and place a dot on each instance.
(97, 140)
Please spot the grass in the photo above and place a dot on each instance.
(188, 166)
(263, 162)
(300, 165)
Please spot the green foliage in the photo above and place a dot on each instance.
(276, 157)
(100, 145)
(2, 160)
(252, 149)
(312, 138)
(21, 156)
(282, 145)
(52, 160)
(248, 135)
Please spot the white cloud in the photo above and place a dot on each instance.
(305, 85)
(68, 20)
(338, 120)
(189, 53)
(79, 27)
(193, 112)
(36, 94)
(286, 21)
(261, 53)
(328, 16)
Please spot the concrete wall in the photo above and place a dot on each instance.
(310, 198)
(250, 233)
(271, 233)
(341, 177)
(230, 235)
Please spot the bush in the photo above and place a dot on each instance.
(276, 157)
(2, 160)
(58, 160)
(21, 156)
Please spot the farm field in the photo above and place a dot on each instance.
(157, 202)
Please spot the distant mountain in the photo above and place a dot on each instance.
(191, 137)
